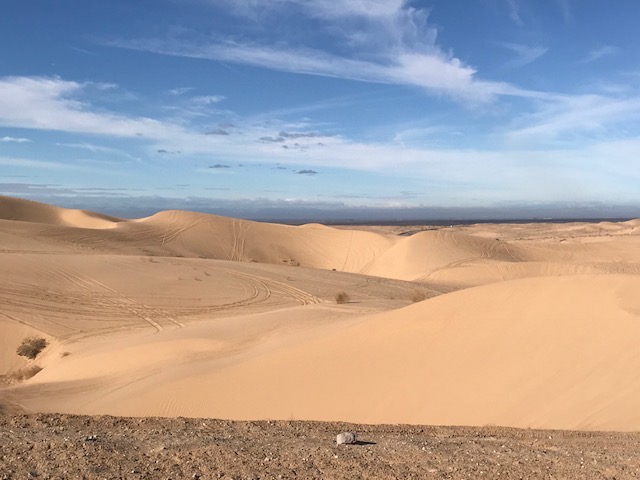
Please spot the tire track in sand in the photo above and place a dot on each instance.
(299, 295)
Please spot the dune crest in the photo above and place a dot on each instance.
(28, 211)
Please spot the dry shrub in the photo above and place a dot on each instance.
(22, 374)
(342, 297)
(31, 347)
(417, 296)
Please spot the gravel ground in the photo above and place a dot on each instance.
(51, 446)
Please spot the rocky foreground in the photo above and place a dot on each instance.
(49, 446)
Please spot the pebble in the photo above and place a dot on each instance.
(346, 438)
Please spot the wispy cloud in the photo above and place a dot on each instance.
(14, 140)
(99, 149)
(48, 190)
(339, 8)
(326, 9)
(565, 9)
(600, 52)
(50, 103)
(578, 114)
(206, 100)
(515, 12)
(187, 108)
(525, 54)
(392, 44)
(180, 91)
(29, 163)
(82, 50)
(433, 71)
(520, 11)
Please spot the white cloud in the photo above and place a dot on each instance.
(434, 71)
(380, 41)
(326, 9)
(206, 100)
(50, 103)
(600, 52)
(369, 8)
(180, 91)
(571, 115)
(518, 170)
(14, 140)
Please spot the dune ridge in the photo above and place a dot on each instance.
(29, 211)
(189, 314)
(197, 235)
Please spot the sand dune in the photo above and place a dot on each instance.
(28, 211)
(196, 235)
(420, 255)
(553, 353)
(191, 314)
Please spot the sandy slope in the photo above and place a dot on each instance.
(558, 353)
(28, 211)
(189, 314)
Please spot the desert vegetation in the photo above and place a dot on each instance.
(417, 296)
(342, 297)
(31, 347)
(25, 373)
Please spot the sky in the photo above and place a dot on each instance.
(306, 106)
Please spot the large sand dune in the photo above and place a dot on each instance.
(191, 314)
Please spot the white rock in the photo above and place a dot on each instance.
(346, 437)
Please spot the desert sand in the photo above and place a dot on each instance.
(194, 315)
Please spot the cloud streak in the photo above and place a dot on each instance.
(29, 163)
(50, 103)
(578, 114)
(392, 44)
(600, 52)
(14, 140)
(435, 72)
(525, 54)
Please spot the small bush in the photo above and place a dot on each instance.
(31, 347)
(21, 375)
(27, 373)
(417, 296)
(342, 297)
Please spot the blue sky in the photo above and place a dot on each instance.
(379, 104)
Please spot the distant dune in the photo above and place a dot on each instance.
(189, 314)
(34, 212)
(197, 235)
